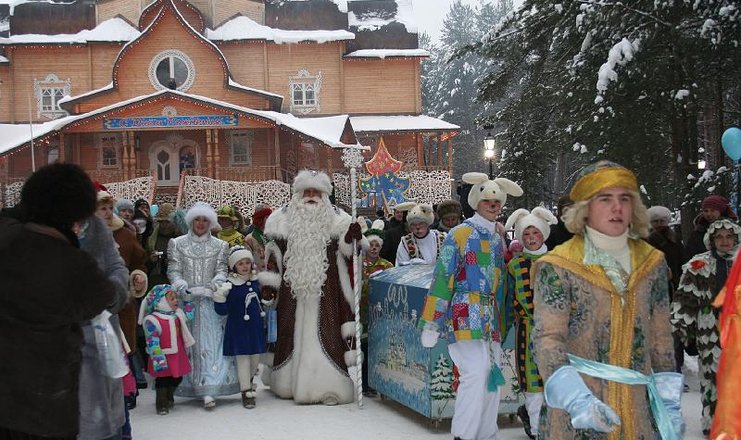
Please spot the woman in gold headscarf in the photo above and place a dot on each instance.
(602, 319)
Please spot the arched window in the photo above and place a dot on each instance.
(172, 69)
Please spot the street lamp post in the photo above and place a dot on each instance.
(489, 152)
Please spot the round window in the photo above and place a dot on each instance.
(172, 69)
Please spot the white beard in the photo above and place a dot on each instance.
(306, 260)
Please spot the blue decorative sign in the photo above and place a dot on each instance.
(171, 121)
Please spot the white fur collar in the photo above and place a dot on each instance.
(237, 280)
(277, 225)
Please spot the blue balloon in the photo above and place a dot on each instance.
(153, 210)
(731, 141)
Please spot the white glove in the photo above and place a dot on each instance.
(417, 261)
(429, 338)
(222, 292)
(224, 288)
(202, 292)
(180, 286)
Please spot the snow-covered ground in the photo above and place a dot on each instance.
(276, 419)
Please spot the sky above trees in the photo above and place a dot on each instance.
(430, 13)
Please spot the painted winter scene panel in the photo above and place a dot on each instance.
(399, 367)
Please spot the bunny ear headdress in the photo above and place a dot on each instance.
(485, 189)
(375, 232)
(522, 219)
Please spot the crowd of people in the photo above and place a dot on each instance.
(603, 300)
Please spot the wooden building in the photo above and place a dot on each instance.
(235, 90)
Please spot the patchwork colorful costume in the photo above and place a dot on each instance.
(468, 285)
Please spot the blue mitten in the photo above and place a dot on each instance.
(566, 390)
(670, 386)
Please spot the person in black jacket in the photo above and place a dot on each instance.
(396, 228)
(48, 286)
(663, 238)
(559, 234)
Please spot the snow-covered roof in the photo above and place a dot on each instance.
(372, 22)
(113, 30)
(252, 89)
(244, 28)
(400, 123)
(388, 53)
(327, 130)
(66, 98)
(3, 59)
(341, 4)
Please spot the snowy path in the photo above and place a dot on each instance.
(276, 419)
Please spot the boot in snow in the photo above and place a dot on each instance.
(161, 401)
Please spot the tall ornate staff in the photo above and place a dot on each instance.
(353, 159)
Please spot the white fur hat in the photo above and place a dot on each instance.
(485, 189)
(202, 209)
(306, 179)
(522, 219)
(239, 253)
(422, 212)
(659, 212)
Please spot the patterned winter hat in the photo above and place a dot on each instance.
(153, 299)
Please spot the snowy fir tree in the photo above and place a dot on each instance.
(441, 383)
(450, 83)
(648, 84)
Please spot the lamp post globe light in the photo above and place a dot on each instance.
(489, 152)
